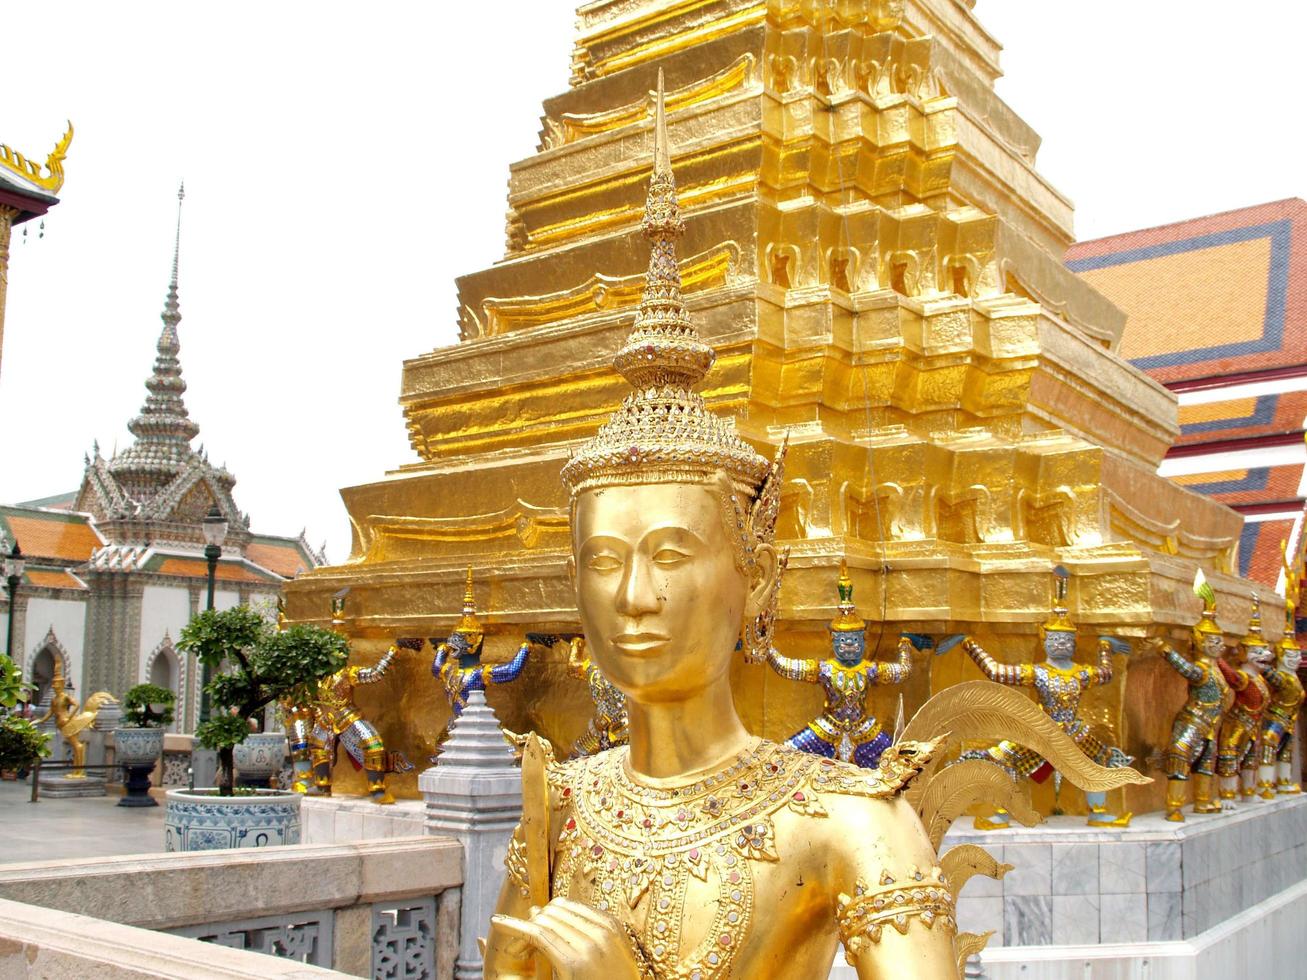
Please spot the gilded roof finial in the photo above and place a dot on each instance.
(171, 310)
(53, 178)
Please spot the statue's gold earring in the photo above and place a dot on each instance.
(760, 633)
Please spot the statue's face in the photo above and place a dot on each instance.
(660, 597)
(1059, 645)
(849, 646)
(1212, 644)
(1259, 657)
(1292, 660)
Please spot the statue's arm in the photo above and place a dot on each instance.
(1186, 668)
(901, 669)
(439, 660)
(792, 669)
(873, 944)
(503, 673)
(370, 675)
(508, 958)
(1016, 675)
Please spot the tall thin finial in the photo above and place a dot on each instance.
(171, 309)
(662, 161)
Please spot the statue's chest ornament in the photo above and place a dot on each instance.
(632, 850)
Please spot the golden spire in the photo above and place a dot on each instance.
(53, 178)
(1059, 622)
(1254, 637)
(663, 429)
(848, 620)
(1203, 589)
(468, 624)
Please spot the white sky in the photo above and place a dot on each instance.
(342, 168)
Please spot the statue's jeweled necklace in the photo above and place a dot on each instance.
(623, 843)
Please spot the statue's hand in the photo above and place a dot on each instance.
(1154, 644)
(542, 639)
(1116, 644)
(947, 643)
(578, 942)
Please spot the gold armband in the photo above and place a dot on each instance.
(863, 917)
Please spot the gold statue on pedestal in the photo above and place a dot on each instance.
(608, 727)
(1280, 721)
(338, 722)
(71, 721)
(1193, 744)
(1059, 683)
(845, 730)
(1236, 760)
(699, 851)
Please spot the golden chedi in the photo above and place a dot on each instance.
(677, 856)
(875, 260)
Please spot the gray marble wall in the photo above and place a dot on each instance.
(1153, 881)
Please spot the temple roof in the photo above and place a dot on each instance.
(28, 186)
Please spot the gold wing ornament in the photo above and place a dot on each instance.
(962, 863)
(990, 712)
(950, 792)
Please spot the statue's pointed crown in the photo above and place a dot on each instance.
(663, 432)
(1254, 636)
(1203, 589)
(847, 620)
(1060, 621)
(468, 624)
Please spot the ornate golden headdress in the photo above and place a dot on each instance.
(663, 432)
(468, 624)
(848, 620)
(1254, 636)
(1207, 622)
(1059, 622)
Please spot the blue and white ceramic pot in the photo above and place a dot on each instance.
(137, 746)
(260, 757)
(201, 820)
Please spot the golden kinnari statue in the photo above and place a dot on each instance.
(679, 855)
(72, 720)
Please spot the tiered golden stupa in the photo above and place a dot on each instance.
(877, 263)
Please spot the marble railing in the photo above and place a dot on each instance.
(371, 908)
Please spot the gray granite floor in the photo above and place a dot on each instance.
(74, 828)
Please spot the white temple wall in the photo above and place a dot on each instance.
(164, 609)
(67, 617)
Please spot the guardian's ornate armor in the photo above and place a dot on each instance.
(1059, 691)
(845, 729)
(1193, 744)
(457, 663)
(297, 719)
(1280, 721)
(607, 727)
(339, 723)
(458, 682)
(1237, 755)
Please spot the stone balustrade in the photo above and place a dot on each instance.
(385, 907)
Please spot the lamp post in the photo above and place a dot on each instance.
(14, 563)
(215, 533)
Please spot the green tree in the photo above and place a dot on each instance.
(254, 665)
(21, 743)
(139, 703)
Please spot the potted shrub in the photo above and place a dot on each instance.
(138, 744)
(254, 665)
(22, 744)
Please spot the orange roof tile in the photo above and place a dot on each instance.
(51, 579)
(285, 559)
(52, 536)
(198, 568)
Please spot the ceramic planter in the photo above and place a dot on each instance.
(260, 758)
(201, 820)
(137, 746)
(137, 750)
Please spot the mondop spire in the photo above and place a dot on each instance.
(663, 429)
(163, 429)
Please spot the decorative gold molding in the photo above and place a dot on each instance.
(600, 292)
(53, 178)
(571, 126)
